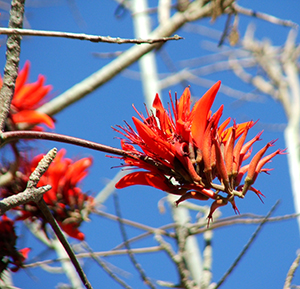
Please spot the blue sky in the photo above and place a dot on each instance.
(65, 62)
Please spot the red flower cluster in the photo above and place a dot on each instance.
(185, 153)
(8, 252)
(27, 98)
(65, 199)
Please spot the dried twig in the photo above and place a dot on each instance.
(246, 247)
(96, 254)
(263, 16)
(130, 253)
(105, 267)
(82, 36)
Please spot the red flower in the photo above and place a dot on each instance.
(185, 153)
(9, 255)
(27, 98)
(65, 199)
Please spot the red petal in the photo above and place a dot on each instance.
(165, 123)
(33, 117)
(22, 77)
(143, 178)
(183, 107)
(157, 145)
(200, 113)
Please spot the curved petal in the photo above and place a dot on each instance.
(200, 113)
(33, 117)
(143, 178)
(152, 140)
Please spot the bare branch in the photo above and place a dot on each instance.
(291, 272)
(31, 193)
(82, 36)
(246, 247)
(12, 60)
(50, 219)
(105, 267)
(130, 253)
(97, 254)
(263, 16)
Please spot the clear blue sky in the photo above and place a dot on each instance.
(65, 62)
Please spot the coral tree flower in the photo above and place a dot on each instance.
(184, 151)
(27, 98)
(10, 257)
(65, 199)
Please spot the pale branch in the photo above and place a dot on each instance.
(144, 235)
(12, 60)
(130, 253)
(291, 272)
(263, 16)
(187, 75)
(31, 193)
(179, 262)
(246, 247)
(132, 223)
(207, 260)
(237, 220)
(97, 254)
(194, 11)
(82, 36)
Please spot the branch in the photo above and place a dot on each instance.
(264, 16)
(105, 267)
(31, 186)
(291, 272)
(7, 137)
(82, 36)
(12, 60)
(97, 254)
(194, 11)
(130, 254)
(246, 247)
(31, 193)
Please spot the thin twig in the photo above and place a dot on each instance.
(50, 219)
(263, 16)
(82, 36)
(237, 220)
(96, 254)
(246, 247)
(130, 253)
(12, 60)
(105, 267)
(132, 223)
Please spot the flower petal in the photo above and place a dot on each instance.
(200, 113)
(33, 117)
